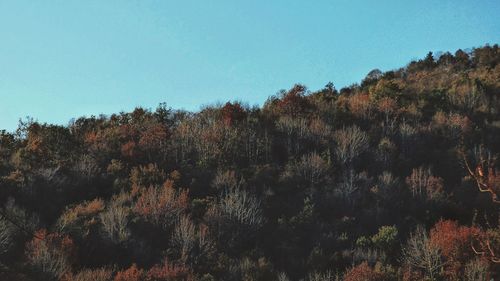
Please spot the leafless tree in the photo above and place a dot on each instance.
(312, 168)
(351, 142)
(420, 254)
(484, 174)
(423, 184)
(227, 180)
(115, 221)
(351, 182)
(241, 206)
(476, 270)
(193, 242)
(325, 276)
(295, 129)
(184, 237)
(487, 180)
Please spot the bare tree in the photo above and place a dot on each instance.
(115, 221)
(311, 168)
(423, 184)
(476, 270)
(484, 174)
(227, 180)
(325, 276)
(295, 129)
(420, 254)
(192, 242)
(487, 180)
(351, 142)
(242, 207)
(351, 183)
(184, 237)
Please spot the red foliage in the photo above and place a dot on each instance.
(293, 102)
(232, 113)
(454, 242)
(363, 272)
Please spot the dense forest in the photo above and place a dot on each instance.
(393, 178)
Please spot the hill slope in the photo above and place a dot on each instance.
(367, 183)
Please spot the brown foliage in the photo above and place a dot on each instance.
(232, 113)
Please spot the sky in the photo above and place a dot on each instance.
(66, 59)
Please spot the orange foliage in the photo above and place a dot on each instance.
(82, 214)
(56, 241)
(387, 105)
(131, 274)
(153, 137)
(454, 242)
(129, 150)
(363, 272)
(52, 253)
(293, 102)
(360, 105)
(160, 204)
(168, 272)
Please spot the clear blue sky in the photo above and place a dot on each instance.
(64, 59)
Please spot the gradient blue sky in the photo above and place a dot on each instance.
(64, 59)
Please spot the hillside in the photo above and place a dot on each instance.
(390, 179)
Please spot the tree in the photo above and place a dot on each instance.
(386, 238)
(453, 242)
(115, 220)
(311, 169)
(131, 274)
(51, 254)
(363, 272)
(351, 142)
(161, 205)
(423, 184)
(421, 254)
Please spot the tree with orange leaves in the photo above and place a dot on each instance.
(51, 254)
(453, 242)
(363, 272)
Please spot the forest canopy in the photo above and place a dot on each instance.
(393, 178)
